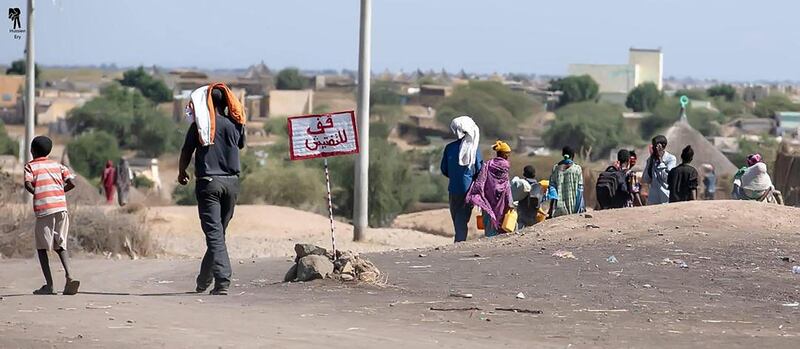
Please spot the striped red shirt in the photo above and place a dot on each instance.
(48, 178)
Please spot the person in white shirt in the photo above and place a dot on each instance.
(657, 169)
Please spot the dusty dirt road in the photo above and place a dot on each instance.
(735, 291)
(272, 231)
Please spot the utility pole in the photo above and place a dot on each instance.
(30, 80)
(360, 211)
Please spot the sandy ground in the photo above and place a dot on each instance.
(736, 291)
(272, 231)
(436, 222)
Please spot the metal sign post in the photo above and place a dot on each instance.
(330, 207)
(322, 136)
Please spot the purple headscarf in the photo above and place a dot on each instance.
(753, 159)
(491, 191)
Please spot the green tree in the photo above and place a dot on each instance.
(766, 146)
(8, 146)
(184, 195)
(18, 67)
(279, 185)
(290, 79)
(575, 89)
(154, 89)
(693, 94)
(706, 121)
(730, 108)
(89, 152)
(389, 174)
(667, 112)
(155, 135)
(767, 107)
(723, 90)
(383, 93)
(497, 109)
(644, 97)
(588, 125)
(130, 117)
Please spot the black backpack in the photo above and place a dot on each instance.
(610, 188)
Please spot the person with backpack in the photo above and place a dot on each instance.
(612, 185)
(683, 179)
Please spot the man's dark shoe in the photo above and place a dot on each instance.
(201, 288)
(219, 291)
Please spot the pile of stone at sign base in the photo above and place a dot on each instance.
(314, 262)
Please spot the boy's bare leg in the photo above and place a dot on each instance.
(64, 256)
(48, 277)
(72, 285)
(44, 261)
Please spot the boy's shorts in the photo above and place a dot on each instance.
(51, 231)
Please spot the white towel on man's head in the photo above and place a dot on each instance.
(465, 128)
(197, 112)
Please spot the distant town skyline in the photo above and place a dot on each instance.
(711, 39)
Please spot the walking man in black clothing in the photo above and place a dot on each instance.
(217, 170)
(682, 180)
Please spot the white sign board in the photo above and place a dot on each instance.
(322, 135)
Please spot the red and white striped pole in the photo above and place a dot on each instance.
(330, 207)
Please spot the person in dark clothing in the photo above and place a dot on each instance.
(612, 185)
(682, 180)
(528, 207)
(217, 169)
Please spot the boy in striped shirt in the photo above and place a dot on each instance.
(48, 181)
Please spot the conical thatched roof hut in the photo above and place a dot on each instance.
(682, 134)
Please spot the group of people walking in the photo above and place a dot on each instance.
(489, 186)
(500, 198)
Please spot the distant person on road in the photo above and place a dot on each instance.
(217, 169)
(124, 177)
(491, 191)
(566, 186)
(529, 202)
(683, 179)
(108, 180)
(657, 169)
(709, 182)
(48, 182)
(461, 163)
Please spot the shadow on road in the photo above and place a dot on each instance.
(111, 294)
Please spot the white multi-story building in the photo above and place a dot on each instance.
(644, 65)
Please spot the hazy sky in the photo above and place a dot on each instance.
(722, 39)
